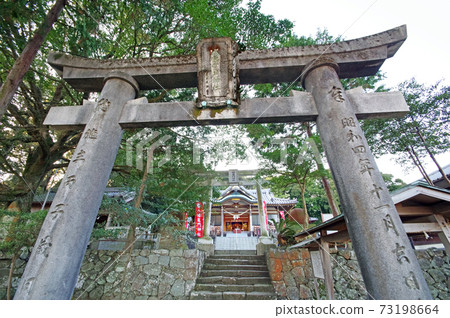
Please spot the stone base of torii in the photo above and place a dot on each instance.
(387, 261)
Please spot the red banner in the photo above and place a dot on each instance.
(265, 215)
(282, 215)
(199, 219)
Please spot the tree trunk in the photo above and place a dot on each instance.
(432, 156)
(305, 209)
(419, 166)
(302, 186)
(132, 231)
(416, 161)
(131, 238)
(35, 170)
(325, 183)
(23, 62)
(11, 271)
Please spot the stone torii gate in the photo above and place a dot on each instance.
(388, 264)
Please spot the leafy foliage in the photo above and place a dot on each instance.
(428, 116)
(20, 229)
(391, 183)
(286, 230)
(31, 153)
(124, 214)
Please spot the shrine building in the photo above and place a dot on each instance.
(236, 210)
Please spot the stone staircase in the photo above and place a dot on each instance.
(234, 275)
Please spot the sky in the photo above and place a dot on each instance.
(425, 54)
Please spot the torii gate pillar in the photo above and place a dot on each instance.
(73, 212)
(388, 265)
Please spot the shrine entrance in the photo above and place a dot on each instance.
(388, 264)
(235, 212)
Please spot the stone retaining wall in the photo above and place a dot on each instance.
(348, 283)
(149, 274)
(5, 265)
(292, 275)
(435, 264)
(171, 274)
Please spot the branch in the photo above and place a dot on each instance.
(182, 136)
(9, 167)
(122, 169)
(22, 64)
(59, 165)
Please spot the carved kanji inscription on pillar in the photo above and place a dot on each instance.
(79, 157)
(103, 105)
(411, 281)
(336, 94)
(57, 212)
(44, 245)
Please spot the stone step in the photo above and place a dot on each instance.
(235, 267)
(261, 296)
(235, 288)
(207, 295)
(224, 261)
(234, 273)
(237, 256)
(235, 252)
(233, 276)
(233, 280)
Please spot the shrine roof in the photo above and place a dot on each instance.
(438, 179)
(112, 192)
(249, 195)
(436, 175)
(421, 192)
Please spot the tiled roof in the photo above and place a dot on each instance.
(40, 198)
(251, 196)
(112, 192)
(436, 175)
(418, 183)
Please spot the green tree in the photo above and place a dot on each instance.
(308, 167)
(24, 60)
(30, 152)
(20, 231)
(286, 230)
(423, 132)
(288, 156)
(392, 183)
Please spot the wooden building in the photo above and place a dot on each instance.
(423, 209)
(236, 210)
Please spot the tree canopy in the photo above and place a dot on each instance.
(423, 132)
(31, 153)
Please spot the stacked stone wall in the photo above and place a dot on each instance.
(292, 275)
(145, 274)
(5, 265)
(435, 264)
(171, 274)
